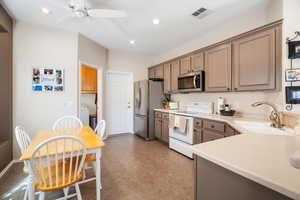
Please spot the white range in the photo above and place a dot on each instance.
(183, 141)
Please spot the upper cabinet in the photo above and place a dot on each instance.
(151, 72)
(156, 72)
(250, 61)
(175, 71)
(197, 62)
(254, 63)
(159, 72)
(88, 80)
(185, 65)
(218, 68)
(167, 78)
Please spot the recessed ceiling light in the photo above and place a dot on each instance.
(132, 42)
(46, 11)
(155, 21)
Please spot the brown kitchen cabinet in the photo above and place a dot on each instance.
(159, 72)
(254, 61)
(209, 130)
(197, 62)
(167, 78)
(175, 71)
(218, 68)
(88, 80)
(151, 73)
(165, 128)
(158, 126)
(251, 61)
(197, 131)
(211, 178)
(185, 65)
(209, 135)
(162, 126)
(156, 72)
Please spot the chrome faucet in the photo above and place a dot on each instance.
(274, 116)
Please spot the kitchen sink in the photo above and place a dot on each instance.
(263, 128)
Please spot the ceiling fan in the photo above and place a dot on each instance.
(80, 10)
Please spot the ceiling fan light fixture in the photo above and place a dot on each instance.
(132, 42)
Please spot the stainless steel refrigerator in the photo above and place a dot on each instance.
(148, 95)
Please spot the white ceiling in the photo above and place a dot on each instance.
(177, 25)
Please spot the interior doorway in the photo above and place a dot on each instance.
(90, 103)
(120, 102)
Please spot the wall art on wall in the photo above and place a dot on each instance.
(47, 79)
(292, 74)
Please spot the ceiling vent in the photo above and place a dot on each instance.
(201, 12)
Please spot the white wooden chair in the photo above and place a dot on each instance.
(68, 121)
(23, 141)
(58, 171)
(100, 129)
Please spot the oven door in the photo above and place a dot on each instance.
(187, 137)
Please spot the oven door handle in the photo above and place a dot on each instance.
(194, 81)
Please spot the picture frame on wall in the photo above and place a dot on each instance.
(47, 79)
(294, 49)
(292, 75)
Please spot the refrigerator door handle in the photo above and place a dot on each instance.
(140, 97)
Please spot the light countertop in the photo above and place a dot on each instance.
(263, 158)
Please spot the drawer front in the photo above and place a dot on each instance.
(229, 131)
(212, 125)
(158, 114)
(165, 116)
(197, 123)
(210, 136)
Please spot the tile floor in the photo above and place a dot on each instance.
(132, 169)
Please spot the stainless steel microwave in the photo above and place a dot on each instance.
(191, 82)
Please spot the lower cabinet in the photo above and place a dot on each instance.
(158, 128)
(165, 129)
(162, 126)
(213, 182)
(209, 130)
(208, 135)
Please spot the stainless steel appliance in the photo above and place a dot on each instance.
(191, 82)
(148, 95)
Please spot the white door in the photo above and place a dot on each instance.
(120, 100)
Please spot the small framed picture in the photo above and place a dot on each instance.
(292, 75)
(294, 49)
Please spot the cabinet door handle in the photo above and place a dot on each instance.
(228, 89)
(212, 126)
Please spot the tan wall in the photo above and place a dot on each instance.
(94, 54)
(39, 46)
(129, 62)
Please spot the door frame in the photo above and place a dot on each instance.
(131, 95)
(100, 89)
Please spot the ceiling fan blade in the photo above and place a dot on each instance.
(106, 13)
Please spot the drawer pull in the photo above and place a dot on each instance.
(212, 126)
